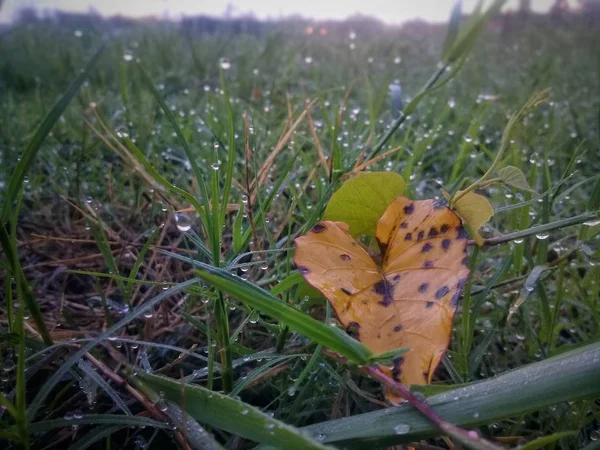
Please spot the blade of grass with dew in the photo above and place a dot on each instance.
(257, 372)
(194, 433)
(47, 387)
(34, 145)
(98, 419)
(230, 414)
(570, 376)
(257, 298)
(539, 229)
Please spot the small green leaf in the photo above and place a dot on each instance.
(362, 200)
(387, 358)
(513, 176)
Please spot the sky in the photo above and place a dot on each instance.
(389, 11)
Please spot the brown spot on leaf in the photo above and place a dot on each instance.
(428, 304)
(318, 228)
(433, 232)
(404, 225)
(398, 328)
(427, 264)
(444, 228)
(441, 292)
(408, 237)
(462, 234)
(420, 235)
(385, 289)
(454, 299)
(409, 209)
(423, 287)
(426, 247)
(345, 257)
(446, 244)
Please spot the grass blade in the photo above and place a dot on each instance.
(30, 152)
(230, 414)
(331, 337)
(519, 391)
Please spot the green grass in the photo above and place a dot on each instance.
(107, 290)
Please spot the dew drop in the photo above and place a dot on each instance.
(225, 63)
(591, 223)
(542, 236)
(183, 222)
(402, 428)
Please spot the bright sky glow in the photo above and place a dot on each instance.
(389, 11)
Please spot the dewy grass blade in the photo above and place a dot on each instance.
(98, 419)
(64, 367)
(257, 298)
(30, 152)
(516, 392)
(230, 414)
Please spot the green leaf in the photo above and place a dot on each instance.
(513, 176)
(30, 152)
(362, 200)
(257, 298)
(569, 376)
(230, 414)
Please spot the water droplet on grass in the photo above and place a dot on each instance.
(542, 236)
(402, 428)
(225, 63)
(183, 222)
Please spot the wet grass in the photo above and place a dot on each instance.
(221, 148)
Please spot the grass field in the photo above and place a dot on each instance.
(154, 176)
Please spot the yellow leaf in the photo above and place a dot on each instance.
(475, 210)
(407, 301)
